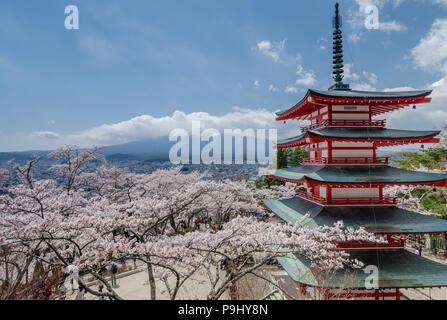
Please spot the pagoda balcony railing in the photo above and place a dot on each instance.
(360, 201)
(391, 243)
(347, 161)
(345, 123)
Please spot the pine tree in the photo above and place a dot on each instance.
(296, 155)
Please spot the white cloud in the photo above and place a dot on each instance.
(272, 88)
(305, 78)
(391, 26)
(398, 2)
(431, 52)
(271, 49)
(147, 126)
(349, 74)
(322, 42)
(256, 83)
(371, 77)
(443, 2)
(142, 127)
(46, 134)
(363, 87)
(101, 50)
(354, 37)
(291, 89)
(399, 89)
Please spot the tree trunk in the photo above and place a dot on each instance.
(151, 280)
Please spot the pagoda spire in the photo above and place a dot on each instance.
(338, 53)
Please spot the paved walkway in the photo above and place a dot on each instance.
(136, 287)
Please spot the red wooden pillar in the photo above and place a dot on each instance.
(329, 107)
(398, 294)
(374, 151)
(329, 151)
(381, 192)
(329, 193)
(377, 294)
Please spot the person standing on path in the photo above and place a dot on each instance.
(63, 291)
(113, 272)
(80, 295)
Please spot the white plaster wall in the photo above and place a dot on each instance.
(355, 192)
(353, 153)
(351, 144)
(350, 108)
(350, 116)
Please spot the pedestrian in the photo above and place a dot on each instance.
(80, 295)
(100, 288)
(48, 291)
(123, 261)
(113, 272)
(62, 291)
(223, 264)
(420, 249)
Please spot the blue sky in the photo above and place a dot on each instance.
(135, 69)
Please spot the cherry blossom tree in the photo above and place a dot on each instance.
(92, 215)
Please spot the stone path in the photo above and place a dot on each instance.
(136, 287)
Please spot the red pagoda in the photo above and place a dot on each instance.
(343, 179)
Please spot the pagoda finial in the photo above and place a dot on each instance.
(338, 53)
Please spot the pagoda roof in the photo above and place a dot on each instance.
(391, 136)
(371, 94)
(397, 269)
(385, 220)
(380, 102)
(357, 175)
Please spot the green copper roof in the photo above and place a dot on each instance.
(391, 220)
(361, 133)
(358, 174)
(371, 94)
(397, 269)
(355, 94)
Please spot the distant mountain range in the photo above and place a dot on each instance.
(149, 149)
(158, 150)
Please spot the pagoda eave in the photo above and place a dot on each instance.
(379, 137)
(397, 269)
(380, 221)
(381, 102)
(310, 181)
